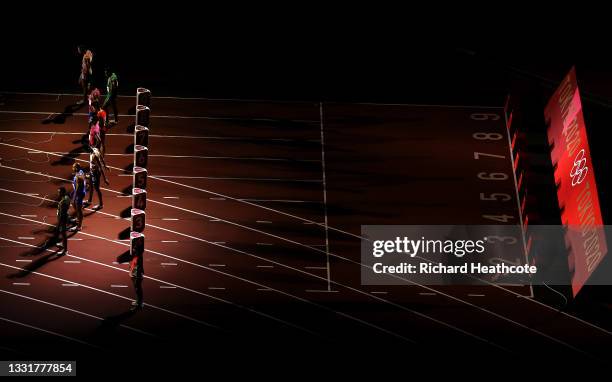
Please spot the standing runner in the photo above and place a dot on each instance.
(136, 274)
(95, 140)
(112, 85)
(103, 130)
(86, 76)
(78, 193)
(62, 220)
(96, 170)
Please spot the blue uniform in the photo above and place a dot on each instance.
(79, 187)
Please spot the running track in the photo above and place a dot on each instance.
(253, 225)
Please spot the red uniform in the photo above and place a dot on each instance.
(102, 121)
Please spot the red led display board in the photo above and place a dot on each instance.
(575, 179)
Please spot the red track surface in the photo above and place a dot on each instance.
(247, 252)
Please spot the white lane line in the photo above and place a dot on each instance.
(110, 293)
(73, 310)
(203, 137)
(424, 105)
(31, 194)
(218, 242)
(250, 100)
(315, 268)
(29, 216)
(72, 262)
(475, 295)
(69, 285)
(216, 265)
(23, 261)
(267, 159)
(188, 289)
(427, 294)
(245, 100)
(263, 222)
(171, 197)
(264, 289)
(217, 198)
(321, 224)
(280, 201)
(164, 177)
(167, 287)
(265, 244)
(230, 138)
(170, 219)
(265, 266)
(124, 196)
(169, 264)
(118, 286)
(169, 241)
(321, 291)
(378, 292)
(23, 284)
(49, 332)
(75, 239)
(325, 197)
(215, 220)
(216, 288)
(166, 117)
(26, 238)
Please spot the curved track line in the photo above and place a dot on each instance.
(106, 292)
(162, 281)
(75, 311)
(50, 332)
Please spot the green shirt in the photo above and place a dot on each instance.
(62, 207)
(112, 83)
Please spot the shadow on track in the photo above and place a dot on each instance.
(61, 117)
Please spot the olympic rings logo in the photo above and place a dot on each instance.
(579, 170)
